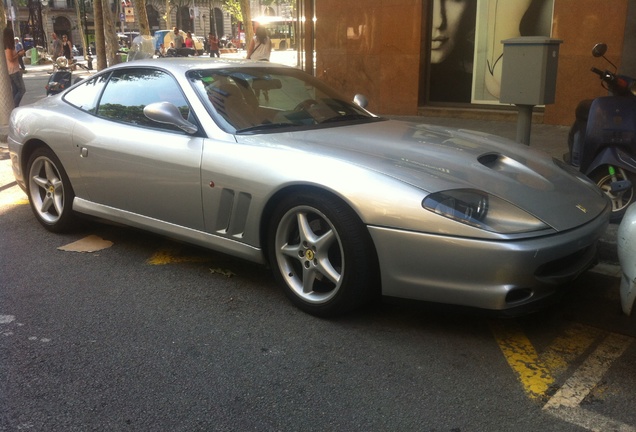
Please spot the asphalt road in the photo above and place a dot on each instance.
(147, 334)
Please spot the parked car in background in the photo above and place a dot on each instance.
(267, 163)
(626, 241)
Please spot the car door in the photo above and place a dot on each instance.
(131, 163)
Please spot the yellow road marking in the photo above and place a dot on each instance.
(11, 200)
(568, 346)
(534, 375)
(537, 372)
(585, 378)
(164, 257)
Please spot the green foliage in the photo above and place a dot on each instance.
(233, 7)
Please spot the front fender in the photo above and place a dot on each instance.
(615, 156)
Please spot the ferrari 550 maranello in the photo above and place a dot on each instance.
(266, 163)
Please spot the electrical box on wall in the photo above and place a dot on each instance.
(529, 70)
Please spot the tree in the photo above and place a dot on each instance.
(168, 19)
(111, 39)
(142, 17)
(6, 95)
(80, 20)
(247, 20)
(100, 44)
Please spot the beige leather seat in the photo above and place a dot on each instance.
(229, 100)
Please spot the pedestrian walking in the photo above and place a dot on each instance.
(213, 43)
(260, 46)
(56, 47)
(67, 48)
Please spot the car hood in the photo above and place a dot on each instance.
(435, 158)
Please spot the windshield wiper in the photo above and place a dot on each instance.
(347, 117)
(265, 126)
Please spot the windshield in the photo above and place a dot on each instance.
(247, 100)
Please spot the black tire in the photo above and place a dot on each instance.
(329, 267)
(620, 201)
(49, 191)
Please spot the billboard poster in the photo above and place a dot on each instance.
(466, 52)
(499, 20)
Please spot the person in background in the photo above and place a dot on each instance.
(56, 47)
(213, 43)
(178, 39)
(67, 48)
(189, 42)
(260, 47)
(18, 48)
(13, 66)
(162, 50)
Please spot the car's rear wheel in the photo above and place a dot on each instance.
(620, 200)
(49, 190)
(322, 254)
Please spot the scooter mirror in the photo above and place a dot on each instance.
(599, 50)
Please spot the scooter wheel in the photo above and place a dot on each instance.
(620, 200)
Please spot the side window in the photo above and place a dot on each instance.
(129, 91)
(86, 95)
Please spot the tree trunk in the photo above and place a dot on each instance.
(80, 26)
(100, 45)
(142, 17)
(247, 21)
(168, 18)
(111, 40)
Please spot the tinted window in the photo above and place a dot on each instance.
(259, 99)
(86, 95)
(129, 91)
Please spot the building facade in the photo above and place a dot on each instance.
(387, 50)
(414, 57)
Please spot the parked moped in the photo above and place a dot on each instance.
(602, 140)
(62, 76)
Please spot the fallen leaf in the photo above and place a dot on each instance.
(91, 243)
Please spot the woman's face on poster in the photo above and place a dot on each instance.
(447, 18)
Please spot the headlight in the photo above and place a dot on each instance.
(482, 210)
(632, 88)
(62, 62)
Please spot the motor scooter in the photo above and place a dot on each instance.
(602, 140)
(62, 76)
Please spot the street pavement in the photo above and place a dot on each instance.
(551, 139)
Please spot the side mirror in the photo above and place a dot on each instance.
(165, 112)
(361, 100)
(599, 50)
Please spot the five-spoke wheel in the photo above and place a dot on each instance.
(322, 254)
(620, 200)
(49, 190)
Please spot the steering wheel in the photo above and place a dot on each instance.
(306, 104)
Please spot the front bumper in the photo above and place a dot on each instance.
(494, 275)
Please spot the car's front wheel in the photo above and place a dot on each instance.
(49, 190)
(322, 254)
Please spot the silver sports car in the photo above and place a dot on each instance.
(266, 163)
